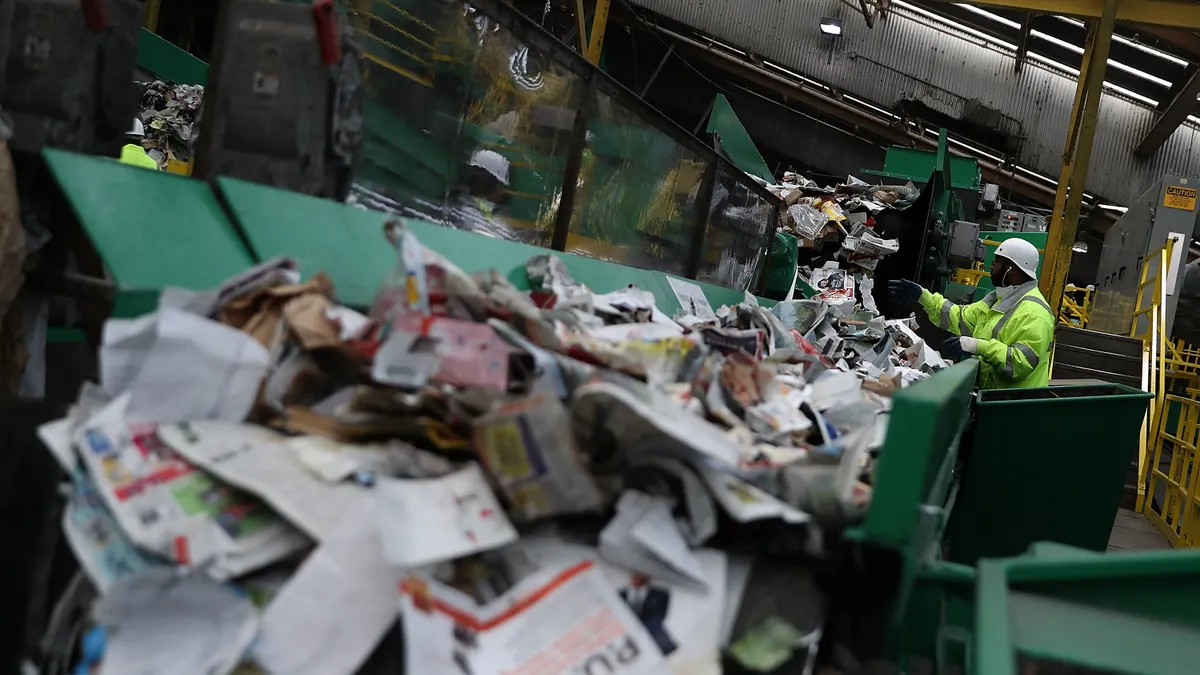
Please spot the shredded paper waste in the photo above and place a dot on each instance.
(837, 223)
(558, 480)
(170, 116)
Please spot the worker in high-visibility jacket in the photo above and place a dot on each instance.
(133, 153)
(1010, 331)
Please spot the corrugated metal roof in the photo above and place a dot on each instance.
(909, 56)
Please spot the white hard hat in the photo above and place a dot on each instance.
(1020, 253)
(492, 162)
(137, 131)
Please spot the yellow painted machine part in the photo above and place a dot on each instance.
(178, 167)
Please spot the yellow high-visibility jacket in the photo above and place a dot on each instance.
(135, 155)
(1014, 333)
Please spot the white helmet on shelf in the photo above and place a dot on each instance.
(493, 163)
(137, 131)
(1020, 253)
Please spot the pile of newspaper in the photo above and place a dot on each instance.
(470, 478)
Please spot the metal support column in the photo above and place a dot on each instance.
(581, 26)
(599, 25)
(577, 144)
(150, 15)
(1076, 156)
(712, 174)
(1023, 45)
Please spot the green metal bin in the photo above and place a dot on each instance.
(1128, 613)
(1045, 465)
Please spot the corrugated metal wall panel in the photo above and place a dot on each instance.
(912, 57)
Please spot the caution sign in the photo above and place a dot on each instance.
(1180, 198)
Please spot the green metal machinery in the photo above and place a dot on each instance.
(951, 188)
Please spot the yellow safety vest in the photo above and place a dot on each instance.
(1014, 334)
(135, 155)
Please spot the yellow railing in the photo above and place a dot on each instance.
(392, 42)
(1076, 306)
(1173, 506)
(1077, 300)
(1149, 325)
(1182, 364)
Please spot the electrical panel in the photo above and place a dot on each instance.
(1032, 222)
(989, 199)
(66, 72)
(1010, 221)
(1168, 207)
(284, 102)
(964, 241)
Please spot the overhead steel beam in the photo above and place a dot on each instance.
(868, 13)
(581, 26)
(866, 122)
(1183, 43)
(1172, 117)
(1076, 157)
(653, 76)
(1174, 13)
(1023, 43)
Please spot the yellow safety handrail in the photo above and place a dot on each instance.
(1178, 511)
(1152, 307)
(1076, 312)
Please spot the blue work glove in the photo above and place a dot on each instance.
(903, 292)
(958, 348)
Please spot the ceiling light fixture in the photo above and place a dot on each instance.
(956, 26)
(831, 26)
(988, 15)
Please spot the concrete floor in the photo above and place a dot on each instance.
(1132, 532)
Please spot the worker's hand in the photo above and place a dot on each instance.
(959, 348)
(903, 292)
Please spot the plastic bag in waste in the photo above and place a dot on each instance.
(808, 222)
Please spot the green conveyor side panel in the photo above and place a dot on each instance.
(152, 228)
(155, 229)
(346, 243)
(477, 253)
(918, 455)
(169, 62)
(736, 140)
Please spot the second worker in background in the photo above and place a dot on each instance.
(1009, 331)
